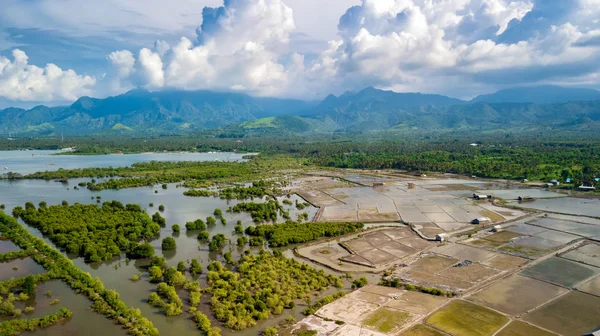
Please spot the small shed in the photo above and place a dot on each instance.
(586, 188)
(526, 199)
(441, 237)
(555, 182)
(497, 228)
(482, 196)
(378, 184)
(482, 220)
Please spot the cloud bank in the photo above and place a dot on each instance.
(24, 82)
(456, 47)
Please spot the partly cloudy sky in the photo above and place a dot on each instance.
(54, 51)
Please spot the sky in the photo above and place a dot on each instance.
(55, 51)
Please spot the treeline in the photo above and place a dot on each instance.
(18, 326)
(257, 190)
(105, 301)
(279, 235)
(191, 173)
(501, 155)
(8, 256)
(260, 212)
(94, 232)
(262, 285)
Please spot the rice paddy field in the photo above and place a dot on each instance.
(421, 330)
(462, 318)
(386, 320)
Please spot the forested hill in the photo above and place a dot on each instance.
(174, 112)
(362, 117)
(545, 94)
(141, 111)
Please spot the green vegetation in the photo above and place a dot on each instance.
(532, 155)
(217, 243)
(396, 283)
(360, 283)
(386, 320)
(210, 221)
(168, 243)
(322, 302)
(173, 277)
(199, 193)
(105, 301)
(421, 330)
(18, 326)
(8, 256)
(181, 266)
(198, 224)
(29, 285)
(94, 232)
(467, 319)
(279, 235)
(195, 267)
(203, 236)
(173, 303)
(154, 173)
(260, 212)
(263, 284)
(257, 190)
(176, 228)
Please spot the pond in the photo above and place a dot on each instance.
(116, 274)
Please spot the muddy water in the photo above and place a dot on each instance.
(84, 321)
(19, 268)
(27, 162)
(116, 274)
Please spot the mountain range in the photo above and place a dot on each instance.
(173, 112)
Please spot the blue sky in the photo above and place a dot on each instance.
(54, 51)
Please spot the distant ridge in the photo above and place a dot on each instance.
(370, 109)
(546, 94)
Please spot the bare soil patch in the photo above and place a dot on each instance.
(517, 294)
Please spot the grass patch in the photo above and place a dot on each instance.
(521, 250)
(492, 215)
(502, 237)
(462, 318)
(421, 330)
(386, 320)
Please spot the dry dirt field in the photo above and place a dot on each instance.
(381, 310)
(572, 314)
(369, 251)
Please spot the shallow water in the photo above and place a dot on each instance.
(116, 274)
(27, 162)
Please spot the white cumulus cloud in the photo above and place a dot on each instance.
(22, 81)
(239, 47)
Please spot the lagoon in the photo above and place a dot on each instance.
(32, 161)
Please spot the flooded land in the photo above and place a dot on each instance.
(436, 257)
